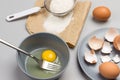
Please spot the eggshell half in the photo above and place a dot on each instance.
(116, 42)
(106, 49)
(90, 57)
(111, 34)
(95, 43)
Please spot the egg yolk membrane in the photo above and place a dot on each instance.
(49, 55)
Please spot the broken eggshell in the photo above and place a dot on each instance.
(116, 42)
(111, 34)
(105, 58)
(116, 58)
(106, 48)
(95, 43)
(90, 57)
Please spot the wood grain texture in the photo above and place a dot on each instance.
(71, 34)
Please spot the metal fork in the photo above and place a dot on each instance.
(42, 63)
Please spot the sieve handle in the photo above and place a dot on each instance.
(23, 13)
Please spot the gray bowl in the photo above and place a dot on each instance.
(39, 41)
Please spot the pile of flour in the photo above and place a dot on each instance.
(55, 24)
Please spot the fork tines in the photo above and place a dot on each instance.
(50, 66)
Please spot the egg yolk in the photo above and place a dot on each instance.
(49, 55)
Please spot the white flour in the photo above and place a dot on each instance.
(56, 24)
(60, 6)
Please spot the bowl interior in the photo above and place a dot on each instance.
(40, 41)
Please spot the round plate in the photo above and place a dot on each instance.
(92, 70)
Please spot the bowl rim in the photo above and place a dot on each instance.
(55, 76)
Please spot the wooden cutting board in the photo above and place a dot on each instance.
(34, 23)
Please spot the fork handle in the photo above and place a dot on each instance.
(12, 46)
(23, 13)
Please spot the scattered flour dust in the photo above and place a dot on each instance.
(54, 24)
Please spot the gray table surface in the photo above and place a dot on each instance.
(14, 32)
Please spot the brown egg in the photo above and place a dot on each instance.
(109, 70)
(101, 13)
(116, 42)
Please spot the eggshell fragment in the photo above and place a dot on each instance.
(111, 34)
(95, 43)
(105, 58)
(106, 49)
(116, 42)
(109, 70)
(90, 57)
(116, 58)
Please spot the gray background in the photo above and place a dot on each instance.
(14, 32)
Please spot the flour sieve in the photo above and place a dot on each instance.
(56, 7)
